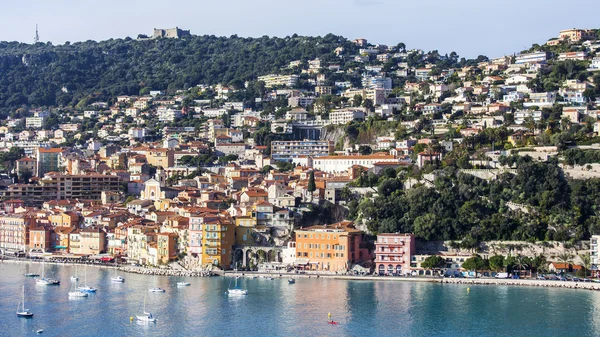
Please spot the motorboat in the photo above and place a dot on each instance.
(22, 312)
(183, 284)
(156, 290)
(291, 281)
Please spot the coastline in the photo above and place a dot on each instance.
(123, 268)
(593, 286)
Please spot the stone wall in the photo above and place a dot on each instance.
(550, 249)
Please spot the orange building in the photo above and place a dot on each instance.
(39, 238)
(330, 247)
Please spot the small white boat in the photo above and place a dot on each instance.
(39, 331)
(270, 278)
(156, 290)
(87, 289)
(25, 313)
(147, 317)
(235, 291)
(291, 281)
(75, 293)
(118, 279)
(183, 284)
(75, 277)
(46, 281)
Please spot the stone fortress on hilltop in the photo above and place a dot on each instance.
(172, 33)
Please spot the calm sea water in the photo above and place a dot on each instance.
(276, 308)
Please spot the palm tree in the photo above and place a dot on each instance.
(565, 258)
(521, 261)
(586, 260)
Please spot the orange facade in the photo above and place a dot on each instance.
(330, 247)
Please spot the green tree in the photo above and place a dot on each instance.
(475, 263)
(586, 261)
(312, 186)
(433, 262)
(566, 259)
(496, 263)
(365, 150)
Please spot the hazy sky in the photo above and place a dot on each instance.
(469, 27)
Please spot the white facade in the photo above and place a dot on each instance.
(345, 116)
(168, 114)
(276, 80)
(337, 164)
(34, 122)
(531, 58)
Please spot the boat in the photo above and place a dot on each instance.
(25, 313)
(43, 281)
(270, 278)
(146, 316)
(117, 278)
(332, 322)
(156, 290)
(39, 331)
(291, 281)
(75, 277)
(86, 288)
(183, 284)
(76, 293)
(235, 291)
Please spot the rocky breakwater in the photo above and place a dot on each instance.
(525, 283)
(166, 272)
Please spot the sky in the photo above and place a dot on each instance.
(469, 27)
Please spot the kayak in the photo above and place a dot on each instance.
(332, 322)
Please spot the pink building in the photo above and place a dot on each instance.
(393, 252)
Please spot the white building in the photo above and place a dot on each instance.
(137, 133)
(531, 58)
(279, 80)
(338, 164)
(34, 122)
(595, 251)
(542, 99)
(168, 114)
(522, 115)
(345, 116)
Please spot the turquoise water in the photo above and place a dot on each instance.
(275, 308)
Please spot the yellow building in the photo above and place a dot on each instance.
(217, 242)
(65, 219)
(244, 227)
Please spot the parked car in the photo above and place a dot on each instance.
(502, 275)
(541, 277)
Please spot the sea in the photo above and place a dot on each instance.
(277, 308)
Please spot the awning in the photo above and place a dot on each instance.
(301, 262)
(60, 247)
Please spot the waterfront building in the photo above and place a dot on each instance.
(393, 253)
(93, 241)
(333, 248)
(218, 237)
(595, 254)
(14, 231)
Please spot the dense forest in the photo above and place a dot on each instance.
(459, 206)
(36, 74)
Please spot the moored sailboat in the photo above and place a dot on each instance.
(21, 311)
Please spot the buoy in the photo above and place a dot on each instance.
(131, 318)
(329, 315)
(468, 289)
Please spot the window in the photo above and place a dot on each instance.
(310, 254)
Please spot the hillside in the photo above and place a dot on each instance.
(36, 74)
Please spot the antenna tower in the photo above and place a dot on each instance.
(37, 36)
